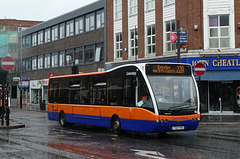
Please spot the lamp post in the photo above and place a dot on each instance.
(21, 68)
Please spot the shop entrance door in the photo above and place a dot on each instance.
(221, 96)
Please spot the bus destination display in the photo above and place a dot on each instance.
(168, 69)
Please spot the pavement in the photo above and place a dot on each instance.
(12, 125)
(216, 118)
(213, 118)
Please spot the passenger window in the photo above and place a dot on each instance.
(100, 92)
(115, 91)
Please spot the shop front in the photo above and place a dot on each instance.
(35, 94)
(24, 85)
(219, 87)
(43, 104)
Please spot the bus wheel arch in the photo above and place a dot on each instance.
(116, 125)
(62, 119)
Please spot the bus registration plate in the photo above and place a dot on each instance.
(178, 128)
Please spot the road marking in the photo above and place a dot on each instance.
(149, 154)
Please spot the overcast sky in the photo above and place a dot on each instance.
(40, 10)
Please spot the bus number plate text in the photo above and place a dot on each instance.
(178, 128)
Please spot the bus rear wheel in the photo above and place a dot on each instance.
(116, 125)
(62, 119)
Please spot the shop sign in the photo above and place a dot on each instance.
(16, 79)
(25, 78)
(44, 82)
(24, 84)
(218, 63)
(36, 84)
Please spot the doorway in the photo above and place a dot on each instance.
(221, 96)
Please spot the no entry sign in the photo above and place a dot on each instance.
(8, 63)
(200, 69)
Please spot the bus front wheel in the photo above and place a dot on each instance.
(62, 119)
(116, 125)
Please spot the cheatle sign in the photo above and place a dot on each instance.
(8, 63)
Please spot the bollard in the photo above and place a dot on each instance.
(7, 116)
(2, 115)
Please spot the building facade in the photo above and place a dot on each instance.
(59, 46)
(9, 29)
(140, 31)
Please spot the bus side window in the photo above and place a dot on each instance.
(115, 92)
(84, 92)
(99, 92)
(74, 88)
(129, 91)
(64, 90)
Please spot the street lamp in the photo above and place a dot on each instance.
(20, 67)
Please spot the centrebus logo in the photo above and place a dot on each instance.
(131, 73)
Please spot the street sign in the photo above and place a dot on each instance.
(8, 63)
(173, 37)
(200, 69)
(183, 37)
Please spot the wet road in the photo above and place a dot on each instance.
(42, 138)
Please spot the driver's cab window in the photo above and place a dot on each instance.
(144, 99)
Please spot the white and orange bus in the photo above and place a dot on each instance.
(143, 97)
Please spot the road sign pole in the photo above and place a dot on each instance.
(178, 42)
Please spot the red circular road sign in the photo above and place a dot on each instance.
(200, 69)
(8, 63)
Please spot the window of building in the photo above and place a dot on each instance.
(151, 39)
(55, 59)
(23, 42)
(118, 9)
(219, 31)
(100, 19)
(47, 61)
(40, 62)
(170, 26)
(133, 7)
(79, 25)
(62, 58)
(28, 64)
(55, 33)
(150, 4)
(69, 28)
(90, 22)
(119, 45)
(169, 1)
(78, 55)
(89, 54)
(34, 39)
(34, 63)
(62, 31)
(69, 57)
(23, 65)
(40, 37)
(47, 35)
(134, 42)
(99, 55)
(28, 41)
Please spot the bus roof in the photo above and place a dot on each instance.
(120, 66)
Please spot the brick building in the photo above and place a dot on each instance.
(139, 31)
(55, 46)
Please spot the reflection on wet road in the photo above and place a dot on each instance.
(42, 138)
